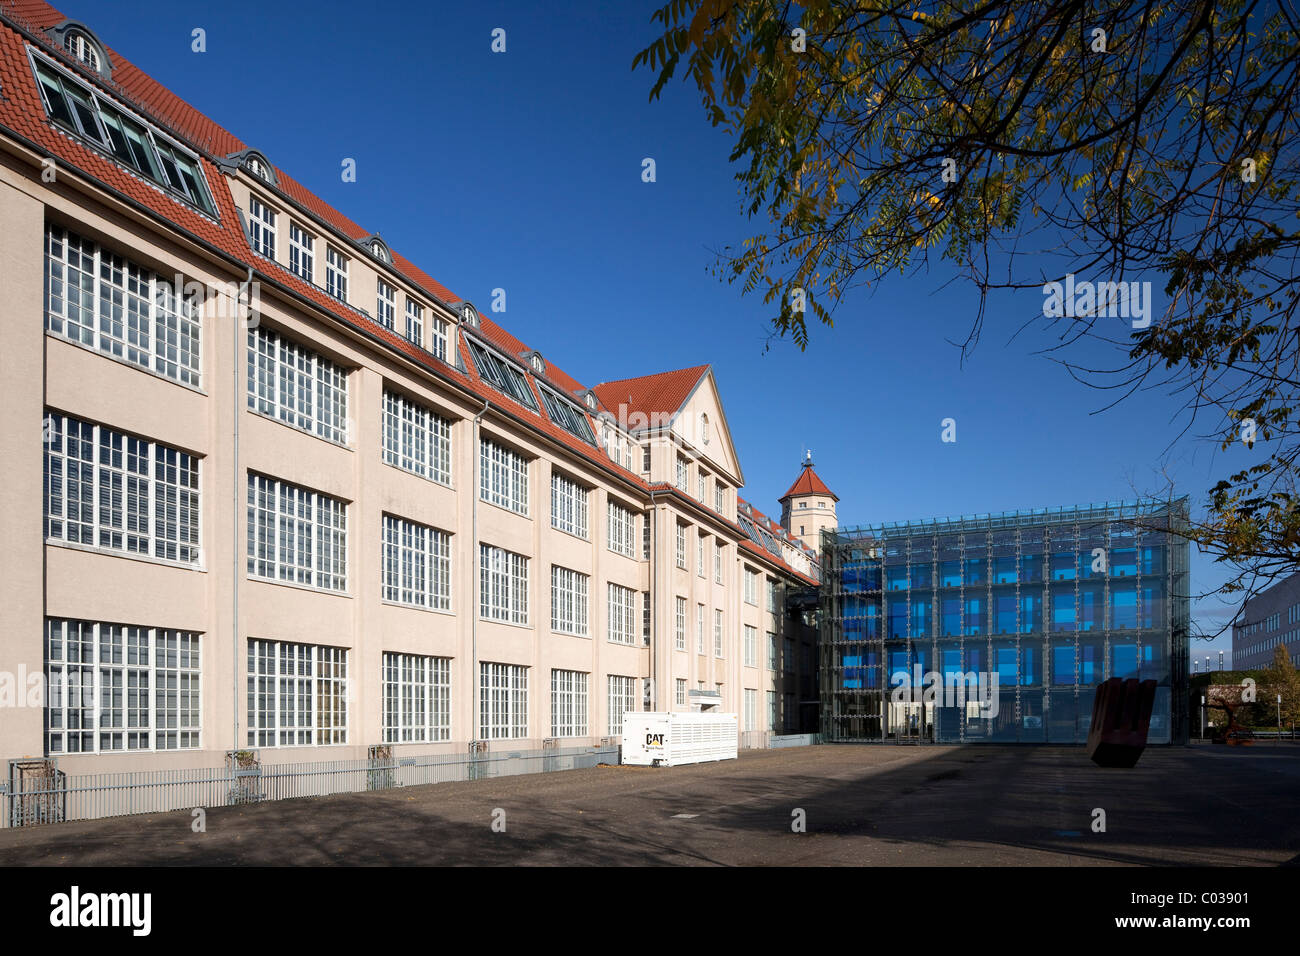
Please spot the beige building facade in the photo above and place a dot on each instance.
(271, 487)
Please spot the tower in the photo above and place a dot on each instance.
(808, 507)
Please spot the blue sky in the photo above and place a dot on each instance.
(522, 170)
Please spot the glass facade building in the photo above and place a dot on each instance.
(998, 628)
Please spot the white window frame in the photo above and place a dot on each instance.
(569, 601)
(302, 253)
(102, 489)
(415, 569)
(699, 629)
(622, 698)
(569, 505)
(569, 703)
(302, 682)
(681, 623)
(336, 273)
(751, 586)
(261, 227)
(416, 695)
(110, 304)
(622, 530)
(296, 535)
(717, 632)
(681, 546)
(385, 304)
(503, 585)
(414, 322)
(121, 700)
(750, 646)
(503, 701)
(622, 616)
(681, 692)
(415, 438)
(294, 385)
(503, 477)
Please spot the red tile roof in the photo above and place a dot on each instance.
(23, 114)
(808, 484)
(660, 394)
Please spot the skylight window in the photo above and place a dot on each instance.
(502, 375)
(567, 415)
(96, 120)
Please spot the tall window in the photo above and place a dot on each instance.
(717, 633)
(107, 489)
(683, 472)
(118, 687)
(699, 628)
(100, 300)
(751, 646)
(385, 304)
(771, 595)
(751, 709)
(292, 383)
(416, 564)
(717, 561)
(772, 719)
(503, 701)
(261, 227)
(297, 694)
(622, 615)
(568, 601)
(438, 337)
(503, 585)
(751, 586)
(719, 496)
(416, 439)
(415, 322)
(681, 692)
(681, 546)
(622, 530)
(699, 563)
(681, 623)
(296, 535)
(503, 477)
(568, 703)
(773, 652)
(700, 480)
(622, 698)
(302, 253)
(336, 273)
(568, 505)
(416, 698)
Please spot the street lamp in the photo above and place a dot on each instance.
(1202, 716)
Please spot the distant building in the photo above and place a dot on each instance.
(1270, 618)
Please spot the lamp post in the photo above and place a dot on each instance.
(1202, 716)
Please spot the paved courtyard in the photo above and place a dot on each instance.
(863, 806)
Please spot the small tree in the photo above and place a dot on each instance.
(1285, 681)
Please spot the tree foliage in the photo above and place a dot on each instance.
(1021, 140)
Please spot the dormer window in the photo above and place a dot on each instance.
(380, 251)
(468, 315)
(83, 48)
(591, 401)
(258, 168)
(538, 366)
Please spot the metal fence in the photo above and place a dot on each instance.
(53, 797)
(765, 740)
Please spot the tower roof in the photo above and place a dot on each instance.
(808, 484)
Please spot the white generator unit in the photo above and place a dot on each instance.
(677, 738)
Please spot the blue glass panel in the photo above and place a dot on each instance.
(1090, 607)
(1004, 613)
(1029, 675)
(949, 574)
(1124, 660)
(1123, 606)
(950, 622)
(974, 615)
(1064, 566)
(1063, 611)
(1063, 665)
